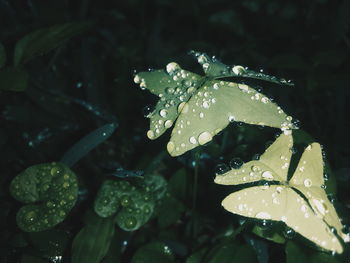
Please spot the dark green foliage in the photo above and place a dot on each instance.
(62, 77)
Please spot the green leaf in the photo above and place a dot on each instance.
(134, 204)
(91, 244)
(231, 253)
(157, 252)
(274, 236)
(169, 211)
(204, 106)
(2, 56)
(44, 40)
(301, 202)
(197, 257)
(13, 79)
(49, 191)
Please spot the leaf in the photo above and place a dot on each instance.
(44, 40)
(157, 251)
(49, 191)
(300, 203)
(203, 106)
(231, 253)
(91, 244)
(134, 205)
(275, 236)
(87, 143)
(2, 56)
(13, 79)
(170, 210)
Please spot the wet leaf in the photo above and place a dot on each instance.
(44, 40)
(301, 203)
(134, 204)
(157, 251)
(91, 244)
(49, 191)
(13, 79)
(204, 106)
(87, 143)
(231, 253)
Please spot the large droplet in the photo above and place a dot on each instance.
(204, 137)
(265, 224)
(221, 169)
(238, 70)
(267, 175)
(150, 134)
(183, 107)
(163, 113)
(172, 68)
(170, 147)
(236, 163)
(168, 124)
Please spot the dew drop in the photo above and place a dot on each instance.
(265, 224)
(307, 183)
(231, 118)
(137, 79)
(150, 134)
(236, 163)
(267, 175)
(289, 233)
(238, 70)
(183, 107)
(255, 168)
(170, 147)
(193, 140)
(221, 169)
(172, 67)
(168, 124)
(163, 113)
(204, 137)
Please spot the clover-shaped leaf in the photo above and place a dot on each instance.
(201, 106)
(301, 202)
(134, 204)
(50, 191)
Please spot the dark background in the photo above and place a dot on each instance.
(305, 41)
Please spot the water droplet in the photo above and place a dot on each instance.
(255, 168)
(183, 107)
(204, 137)
(201, 115)
(265, 224)
(168, 124)
(193, 140)
(125, 201)
(238, 70)
(320, 206)
(221, 169)
(163, 113)
(256, 157)
(307, 183)
(137, 79)
(206, 104)
(172, 68)
(231, 118)
(289, 233)
(130, 222)
(150, 134)
(170, 146)
(267, 175)
(289, 118)
(236, 163)
(55, 171)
